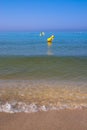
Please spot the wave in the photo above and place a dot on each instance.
(16, 107)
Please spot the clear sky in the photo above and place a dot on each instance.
(35, 15)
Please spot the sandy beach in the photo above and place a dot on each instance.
(51, 120)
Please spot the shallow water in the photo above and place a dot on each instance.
(58, 68)
(41, 95)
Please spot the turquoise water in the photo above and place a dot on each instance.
(31, 44)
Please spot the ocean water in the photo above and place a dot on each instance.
(31, 44)
(36, 77)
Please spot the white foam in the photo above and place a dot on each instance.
(31, 108)
(43, 108)
(14, 107)
(6, 108)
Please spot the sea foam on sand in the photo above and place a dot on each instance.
(15, 107)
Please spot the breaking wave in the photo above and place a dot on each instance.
(16, 107)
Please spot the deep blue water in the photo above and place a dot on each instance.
(31, 44)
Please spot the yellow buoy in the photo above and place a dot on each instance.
(50, 39)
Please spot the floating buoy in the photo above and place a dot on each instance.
(50, 39)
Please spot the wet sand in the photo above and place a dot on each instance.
(51, 120)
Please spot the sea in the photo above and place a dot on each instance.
(39, 76)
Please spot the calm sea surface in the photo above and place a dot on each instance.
(31, 44)
(27, 55)
(47, 76)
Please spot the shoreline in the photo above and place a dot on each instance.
(52, 120)
(29, 96)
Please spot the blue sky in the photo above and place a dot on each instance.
(35, 15)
